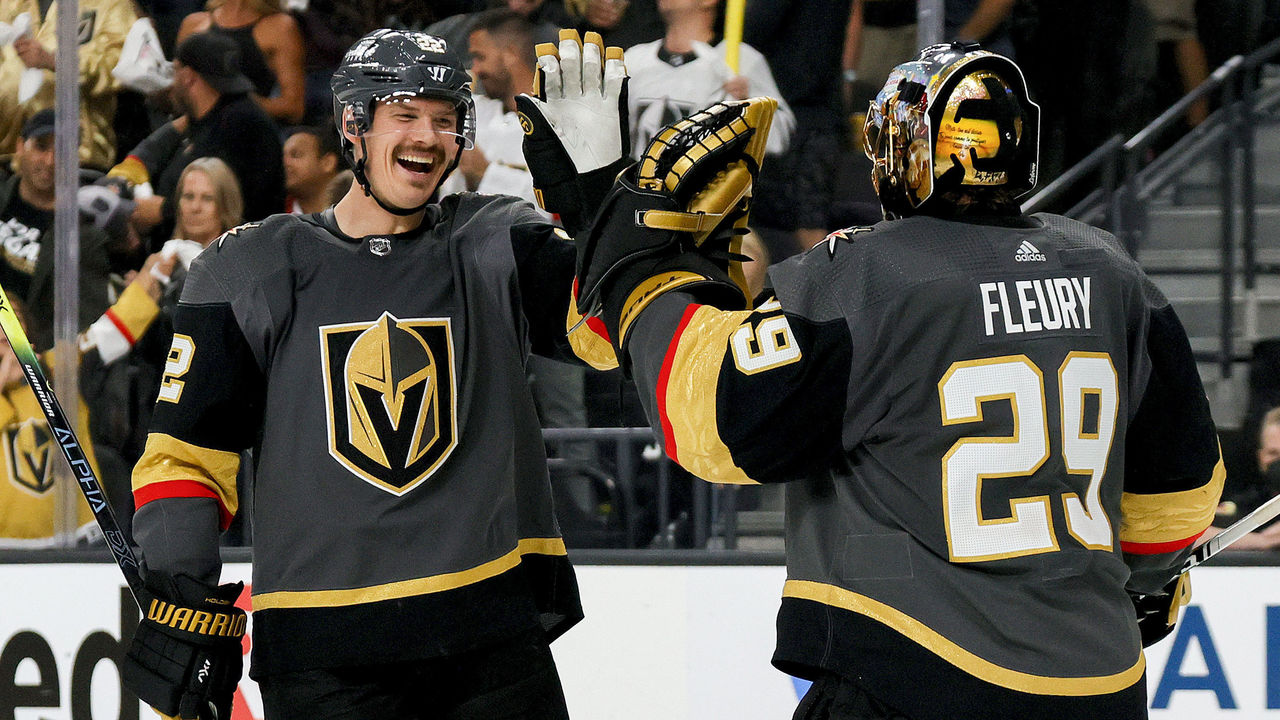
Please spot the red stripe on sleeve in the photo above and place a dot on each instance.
(180, 489)
(665, 375)
(124, 329)
(1135, 548)
(594, 324)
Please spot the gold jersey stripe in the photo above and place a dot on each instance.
(587, 345)
(1168, 517)
(958, 656)
(168, 458)
(690, 401)
(409, 588)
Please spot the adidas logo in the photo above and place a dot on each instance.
(1028, 253)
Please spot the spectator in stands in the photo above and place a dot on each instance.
(209, 204)
(1182, 65)
(220, 121)
(792, 199)
(311, 162)
(117, 394)
(271, 50)
(547, 17)
(27, 499)
(26, 236)
(980, 21)
(624, 23)
(880, 35)
(682, 73)
(1242, 498)
(103, 25)
(502, 58)
(501, 49)
(110, 210)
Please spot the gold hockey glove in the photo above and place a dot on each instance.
(576, 135)
(185, 659)
(675, 219)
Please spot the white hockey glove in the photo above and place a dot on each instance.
(577, 137)
(580, 91)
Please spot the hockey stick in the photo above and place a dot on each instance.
(65, 436)
(1237, 530)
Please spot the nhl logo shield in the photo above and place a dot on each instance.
(391, 398)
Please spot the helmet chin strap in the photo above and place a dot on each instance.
(358, 171)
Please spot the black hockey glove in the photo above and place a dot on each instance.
(675, 219)
(576, 135)
(185, 658)
(1158, 613)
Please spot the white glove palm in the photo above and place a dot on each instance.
(581, 98)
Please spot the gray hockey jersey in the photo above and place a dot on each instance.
(401, 505)
(990, 431)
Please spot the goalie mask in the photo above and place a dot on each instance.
(955, 122)
(386, 64)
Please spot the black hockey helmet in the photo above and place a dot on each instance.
(396, 63)
(954, 123)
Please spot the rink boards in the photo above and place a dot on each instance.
(659, 641)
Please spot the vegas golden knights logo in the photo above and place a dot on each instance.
(27, 449)
(391, 397)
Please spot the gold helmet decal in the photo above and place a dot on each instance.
(967, 139)
(391, 398)
(27, 449)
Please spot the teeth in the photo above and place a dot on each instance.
(425, 160)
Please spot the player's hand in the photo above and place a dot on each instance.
(675, 219)
(1158, 613)
(580, 98)
(185, 659)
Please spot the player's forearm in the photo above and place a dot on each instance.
(732, 403)
(179, 536)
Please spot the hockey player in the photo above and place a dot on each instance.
(407, 563)
(991, 424)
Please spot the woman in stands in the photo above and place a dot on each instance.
(271, 50)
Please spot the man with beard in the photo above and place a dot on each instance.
(26, 236)
(312, 160)
(220, 120)
(407, 562)
(502, 61)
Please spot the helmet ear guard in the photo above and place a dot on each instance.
(951, 129)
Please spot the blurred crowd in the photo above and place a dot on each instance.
(197, 117)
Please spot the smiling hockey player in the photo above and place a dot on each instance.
(407, 563)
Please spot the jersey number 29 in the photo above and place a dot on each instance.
(1085, 380)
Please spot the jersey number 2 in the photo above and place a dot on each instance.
(1088, 386)
(175, 366)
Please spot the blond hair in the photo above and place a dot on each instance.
(226, 191)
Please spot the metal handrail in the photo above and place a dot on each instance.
(1149, 134)
(1127, 186)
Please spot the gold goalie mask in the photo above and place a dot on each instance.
(955, 120)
